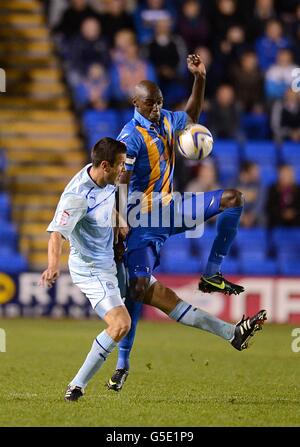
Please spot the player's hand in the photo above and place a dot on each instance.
(122, 233)
(119, 250)
(195, 65)
(49, 277)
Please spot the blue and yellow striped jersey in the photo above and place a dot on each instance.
(150, 154)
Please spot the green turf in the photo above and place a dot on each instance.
(180, 377)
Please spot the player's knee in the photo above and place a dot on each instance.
(232, 198)
(138, 288)
(120, 327)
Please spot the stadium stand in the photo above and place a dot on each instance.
(39, 131)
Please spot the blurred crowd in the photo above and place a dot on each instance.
(251, 49)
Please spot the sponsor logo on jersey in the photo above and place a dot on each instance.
(63, 218)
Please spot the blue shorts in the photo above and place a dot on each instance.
(144, 243)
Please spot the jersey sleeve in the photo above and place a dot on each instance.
(179, 120)
(70, 210)
(132, 142)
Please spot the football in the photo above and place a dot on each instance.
(195, 142)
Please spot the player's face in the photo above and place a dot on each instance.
(150, 105)
(117, 170)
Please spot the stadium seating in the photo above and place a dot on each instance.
(286, 238)
(4, 206)
(290, 153)
(268, 174)
(12, 262)
(230, 266)
(249, 266)
(255, 126)
(185, 265)
(251, 240)
(289, 262)
(261, 152)
(100, 123)
(38, 127)
(8, 235)
(125, 115)
(227, 156)
(183, 261)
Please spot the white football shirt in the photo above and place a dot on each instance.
(84, 217)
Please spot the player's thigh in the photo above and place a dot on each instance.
(140, 265)
(212, 203)
(141, 262)
(195, 209)
(103, 292)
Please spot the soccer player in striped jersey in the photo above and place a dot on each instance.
(149, 138)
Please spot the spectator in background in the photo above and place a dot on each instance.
(89, 47)
(285, 117)
(206, 179)
(116, 18)
(128, 69)
(250, 185)
(248, 81)
(295, 31)
(230, 49)
(148, 14)
(286, 8)
(223, 118)
(193, 25)
(93, 90)
(122, 39)
(70, 23)
(283, 200)
(270, 43)
(264, 11)
(213, 74)
(167, 53)
(279, 76)
(225, 16)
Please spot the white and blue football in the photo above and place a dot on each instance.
(195, 142)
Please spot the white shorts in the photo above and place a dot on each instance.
(102, 291)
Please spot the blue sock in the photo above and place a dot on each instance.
(124, 348)
(227, 224)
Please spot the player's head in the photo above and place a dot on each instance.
(148, 100)
(109, 156)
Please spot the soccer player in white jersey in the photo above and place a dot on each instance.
(84, 217)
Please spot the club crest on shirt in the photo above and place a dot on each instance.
(110, 285)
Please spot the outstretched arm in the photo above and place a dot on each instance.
(50, 275)
(195, 101)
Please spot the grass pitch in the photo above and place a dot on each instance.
(179, 377)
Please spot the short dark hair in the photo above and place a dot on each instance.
(107, 149)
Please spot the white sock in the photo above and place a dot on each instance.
(192, 316)
(101, 348)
